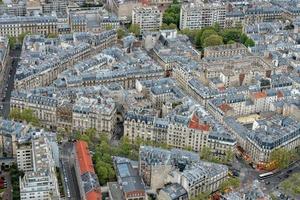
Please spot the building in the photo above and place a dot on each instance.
(123, 8)
(41, 181)
(99, 114)
(195, 132)
(158, 167)
(198, 15)
(24, 157)
(147, 18)
(130, 185)
(17, 25)
(173, 191)
(88, 183)
(267, 134)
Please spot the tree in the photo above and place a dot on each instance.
(229, 155)
(231, 42)
(120, 33)
(207, 33)
(135, 29)
(52, 35)
(282, 157)
(108, 27)
(22, 36)
(249, 43)
(172, 14)
(12, 41)
(213, 40)
(202, 196)
(231, 34)
(206, 153)
(230, 183)
(172, 26)
(24, 115)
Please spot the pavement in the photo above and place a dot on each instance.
(67, 161)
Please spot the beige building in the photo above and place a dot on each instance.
(198, 15)
(123, 8)
(99, 114)
(147, 18)
(24, 157)
(16, 25)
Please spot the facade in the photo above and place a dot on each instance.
(199, 15)
(16, 25)
(147, 18)
(99, 114)
(24, 157)
(158, 167)
(41, 182)
(179, 132)
(88, 183)
(123, 8)
(265, 136)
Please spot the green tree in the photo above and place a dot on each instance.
(206, 153)
(120, 33)
(135, 29)
(231, 42)
(207, 33)
(12, 42)
(22, 36)
(282, 157)
(213, 40)
(108, 27)
(231, 34)
(249, 43)
(231, 182)
(172, 26)
(52, 35)
(172, 14)
(229, 156)
(24, 115)
(202, 196)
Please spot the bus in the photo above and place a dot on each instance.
(266, 175)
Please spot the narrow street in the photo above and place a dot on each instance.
(8, 85)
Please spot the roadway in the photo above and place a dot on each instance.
(67, 161)
(8, 84)
(272, 183)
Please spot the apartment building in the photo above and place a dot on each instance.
(123, 8)
(41, 182)
(177, 131)
(99, 114)
(266, 134)
(16, 25)
(24, 157)
(147, 18)
(198, 15)
(88, 183)
(158, 166)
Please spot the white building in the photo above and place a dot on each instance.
(24, 158)
(148, 18)
(40, 183)
(199, 15)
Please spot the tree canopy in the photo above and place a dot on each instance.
(283, 157)
(172, 14)
(135, 29)
(24, 115)
(213, 40)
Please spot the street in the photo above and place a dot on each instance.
(8, 84)
(271, 183)
(67, 169)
